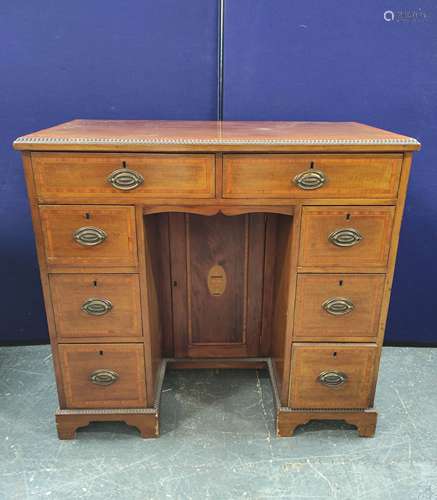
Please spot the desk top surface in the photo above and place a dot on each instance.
(145, 135)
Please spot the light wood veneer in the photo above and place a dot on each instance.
(85, 176)
(355, 362)
(313, 322)
(59, 223)
(273, 176)
(126, 361)
(374, 224)
(72, 292)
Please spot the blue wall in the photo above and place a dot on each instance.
(284, 59)
(61, 60)
(331, 60)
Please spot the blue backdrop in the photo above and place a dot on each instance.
(368, 61)
(61, 60)
(284, 59)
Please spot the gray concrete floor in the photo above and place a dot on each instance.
(218, 440)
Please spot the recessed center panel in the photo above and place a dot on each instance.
(217, 250)
(218, 281)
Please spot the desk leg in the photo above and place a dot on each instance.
(288, 420)
(146, 420)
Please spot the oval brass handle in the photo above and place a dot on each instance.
(125, 179)
(310, 179)
(332, 379)
(89, 236)
(97, 307)
(104, 377)
(345, 237)
(338, 306)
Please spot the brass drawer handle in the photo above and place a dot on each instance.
(125, 179)
(338, 306)
(89, 236)
(345, 237)
(104, 377)
(310, 179)
(97, 307)
(332, 379)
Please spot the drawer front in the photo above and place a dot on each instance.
(338, 307)
(103, 375)
(339, 237)
(332, 375)
(118, 177)
(315, 176)
(96, 305)
(87, 235)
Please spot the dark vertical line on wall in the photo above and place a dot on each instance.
(220, 58)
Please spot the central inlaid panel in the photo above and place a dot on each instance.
(219, 283)
(217, 275)
(219, 280)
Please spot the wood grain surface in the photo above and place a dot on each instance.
(217, 258)
(137, 135)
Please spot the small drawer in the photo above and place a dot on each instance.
(122, 178)
(332, 375)
(103, 375)
(345, 237)
(311, 176)
(338, 307)
(96, 305)
(89, 235)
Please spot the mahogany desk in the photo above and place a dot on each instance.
(216, 244)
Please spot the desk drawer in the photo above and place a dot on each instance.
(338, 307)
(89, 235)
(120, 178)
(103, 375)
(345, 237)
(315, 176)
(332, 375)
(96, 305)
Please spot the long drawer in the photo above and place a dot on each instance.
(311, 176)
(345, 237)
(122, 178)
(103, 375)
(89, 235)
(96, 305)
(338, 307)
(332, 375)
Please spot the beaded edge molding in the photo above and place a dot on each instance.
(177, 141)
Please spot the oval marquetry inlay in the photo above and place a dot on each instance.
(216, 280)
